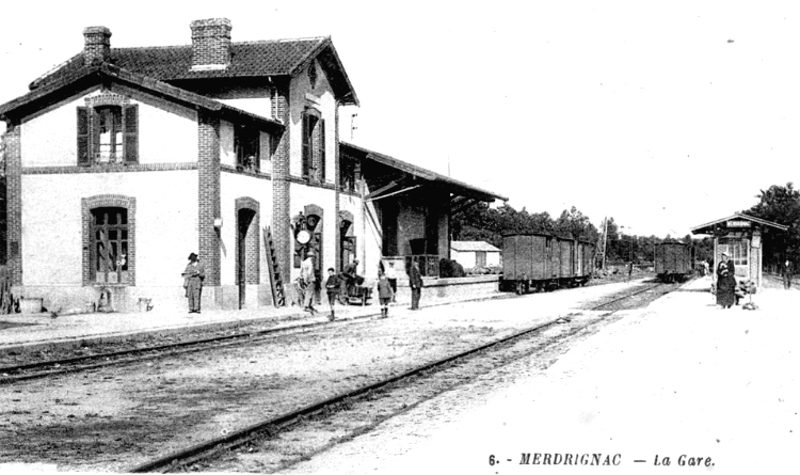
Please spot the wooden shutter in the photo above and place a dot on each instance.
(83, 137)
(131, 145)
(306, 144)
(321, 126)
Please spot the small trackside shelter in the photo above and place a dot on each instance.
(739, 236)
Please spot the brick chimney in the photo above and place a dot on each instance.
(211, 43)
(97, 44)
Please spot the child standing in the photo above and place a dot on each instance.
(332, 288)
(384, 294)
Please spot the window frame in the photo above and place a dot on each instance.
(247, 138)
(89, 206)
(108, 220)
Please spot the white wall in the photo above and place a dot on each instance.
(167, 133)
(233, 186)
(227, 154)
(166, 224)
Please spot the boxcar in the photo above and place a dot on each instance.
(673, 261)
(542, 262)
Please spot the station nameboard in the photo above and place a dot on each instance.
(737, 224)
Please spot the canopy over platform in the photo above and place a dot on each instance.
(736, 223)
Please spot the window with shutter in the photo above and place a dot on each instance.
(108, 131)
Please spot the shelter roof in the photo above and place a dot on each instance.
(736, 221)
(470, 246)
(456, 186)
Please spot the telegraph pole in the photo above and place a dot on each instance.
(605, 241)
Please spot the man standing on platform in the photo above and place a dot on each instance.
(415, 282)
(788, 272)
(193, 277)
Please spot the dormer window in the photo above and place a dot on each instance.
(108, 131)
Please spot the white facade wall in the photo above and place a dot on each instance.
(372, 240)
(321, 98)
(227, 154)
(167, 133)
(166, 224)
(255, 105)
(232, 187)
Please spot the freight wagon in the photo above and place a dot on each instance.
(674, 261)
(543, 262)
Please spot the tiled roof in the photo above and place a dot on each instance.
(248, 59)
(469, 246)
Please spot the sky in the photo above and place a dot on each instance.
(662, 115)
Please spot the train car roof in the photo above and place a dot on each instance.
(547, 235)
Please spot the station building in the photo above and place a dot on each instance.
(122, 161)
(740, 237)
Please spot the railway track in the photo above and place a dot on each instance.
(41, 369)
(387, 397)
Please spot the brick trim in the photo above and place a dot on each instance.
(252, 241)
(107, 99)
(110, 168)
(280, 187)
(208, 195)
(13, 157)
(101, 201)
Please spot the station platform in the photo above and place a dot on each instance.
(36, 332)
(679, 378)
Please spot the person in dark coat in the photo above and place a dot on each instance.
(415, 282)
(788, 272)
(193, 277)
(332, 289)
(726, 282)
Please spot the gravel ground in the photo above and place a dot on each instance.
(682, 378)
(110, 419)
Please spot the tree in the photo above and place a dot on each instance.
(779, 204)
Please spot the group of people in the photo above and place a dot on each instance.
(337, 287)
(726, 280)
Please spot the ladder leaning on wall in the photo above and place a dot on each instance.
(276, 283)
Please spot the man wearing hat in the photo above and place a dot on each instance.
(193, 282)
(308, 279)
(726, 282)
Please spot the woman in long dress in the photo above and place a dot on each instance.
(726, 282)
